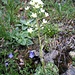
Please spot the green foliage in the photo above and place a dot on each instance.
(50, 30)
(4, 70)
(10, 9)
(12, 67)
(8, 28)
(15, 31)
(50, 69)
(3, 28)
(68, 10)
(58, 11)
(22, 38)
(2, 31)
(20, 34)
(26, 70)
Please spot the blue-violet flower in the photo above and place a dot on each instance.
(31, 54)
(6, 64)
(10, 55)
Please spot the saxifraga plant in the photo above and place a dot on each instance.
(38, 13)
(50, 69)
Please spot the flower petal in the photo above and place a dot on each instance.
(10, 55)
(31, 54)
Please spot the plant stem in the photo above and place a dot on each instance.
(41, 47)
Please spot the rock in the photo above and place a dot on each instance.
(53, 54)
(50, 56)
(47, 58)
(70, 71)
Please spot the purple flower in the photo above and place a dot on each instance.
(10, 55)
(31, 54)
(6, 64)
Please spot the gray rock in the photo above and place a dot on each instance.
(50, 56)
(70, 71)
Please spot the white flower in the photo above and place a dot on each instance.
(59, 4)
(30, 30)
(46, 14)
(31, 3)
(34, 15)
(35, 25)
(72, 53)
(42, 10)
(34, 2)
(38, 1)
(37, 6)
(44, 21)
(27, 8)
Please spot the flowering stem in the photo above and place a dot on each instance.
(41, 47)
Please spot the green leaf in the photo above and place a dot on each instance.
(0, 13)
(24, 27)
(25, 34)
(23, 21)
(29, 42)
(18, 25)
(4, 1)
(31, 20)
(23, 42)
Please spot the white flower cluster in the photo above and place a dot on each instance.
(36, 3)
